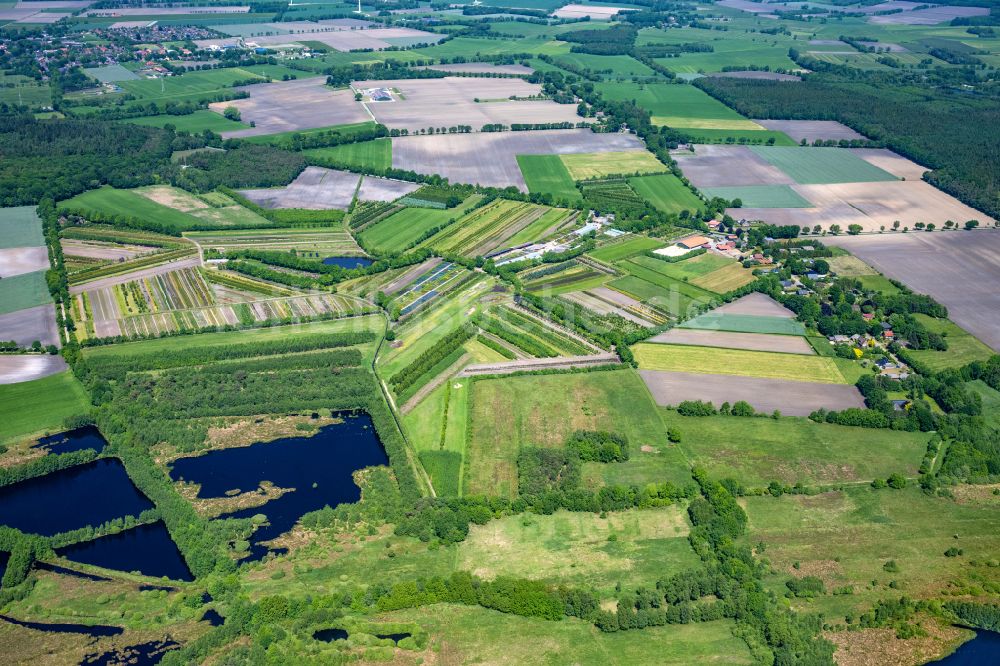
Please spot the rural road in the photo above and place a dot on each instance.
(191, 262)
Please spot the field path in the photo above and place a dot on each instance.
(192, 262)
(527, 365)
(426, 389)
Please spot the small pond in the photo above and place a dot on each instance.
(330, 635)
(395, 638)
(92, 630)
(983, 649)
(89, 494)
(4, 556)
(143, 654)
(146, 548)
(70, 441)
(348, 262)
(318, 467)
(213, 618)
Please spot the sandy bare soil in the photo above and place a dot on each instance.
(766, 395)
(98, 250)
(871, 205)
(757, 304)
(479, 68)
(593, 11)
(423, 103)
(889, 161)
(20, 260)
(293, 105)
(811, 130)
(26, 326)
(314, 189)
(25, 367)
(958, 268)
(789, 344)
(384, 189)
(490, 158)
(340, 40)
(728, 166)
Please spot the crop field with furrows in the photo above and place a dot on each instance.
(485, 228)
(530, 334)
(439, 280)
(663, 281)
(666, 193)
(400, 229)
(600, 165)
(613, 194)
(547, 174)
(325, 242)
(739, 362)
(572, 279)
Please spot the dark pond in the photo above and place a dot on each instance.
(71, 498)
(213, 618)
(79, 439)
(348, 262)
(4, 556)
(147, 549)
(95, 630)
(157, 588)
(143, 654)
(983, 649)
(319, 468)
(395, 638)
(330, 635)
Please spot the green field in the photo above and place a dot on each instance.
(735, 49)
(369, 155)
(544, 410)
(757, 451)
(285, 138)
(706, 271)
(963, 347)
(477, 635)
(761, 196)
(42, 405)
(20, 227)
(196, 122)
(403, 228)
(991, 401)
(847, 537)
(546, 174)
(666, 193)
(615, 252)
(737, 136)
(878, 283)
(816, 166)
(191, 85)
(677, 105)
(619, 66)
(23, 291)
(110, 74)
(585, 166)
(739, 323)
(739, 362)
(536, 230)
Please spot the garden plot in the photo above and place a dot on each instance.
(383, 189)
(21, 260)
(811, 130)
(490, 158)
(791, 398)
(315, 188)
(959, 269)
(26, 367)
(421, 103)
(290, 106)
(788, 344)
(30, 324)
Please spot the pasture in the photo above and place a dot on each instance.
(666, 193)
(615, 252)
(757, 451)
(196, 122)
(368, 155)
(402, 229)
(847, 537)
(43, 404)
(678, 105)
(190, 86)
(708, 271)
(963, 347)
(738, 362)
(574, 549)
(547, 174)
(544, 410)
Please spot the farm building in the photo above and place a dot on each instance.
(693, 242)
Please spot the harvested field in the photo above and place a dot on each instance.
(791, 398)
(20, 260)
(100, 250)
(25, 367)
(30, 324)
(871, 205)
(929, 16)
(339, 40)
(957, 268)
(788, 344)
(728, 166)
(383, 189)
(889, 161)
(737, 362)
(293, 105)
(759, 76)
(490, 158)
(480, 68)
(811, 130)
(757, 304)
(597, 12)
(167, 11)
(315, 188)
(418, 103)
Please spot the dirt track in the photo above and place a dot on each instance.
(528, 365)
